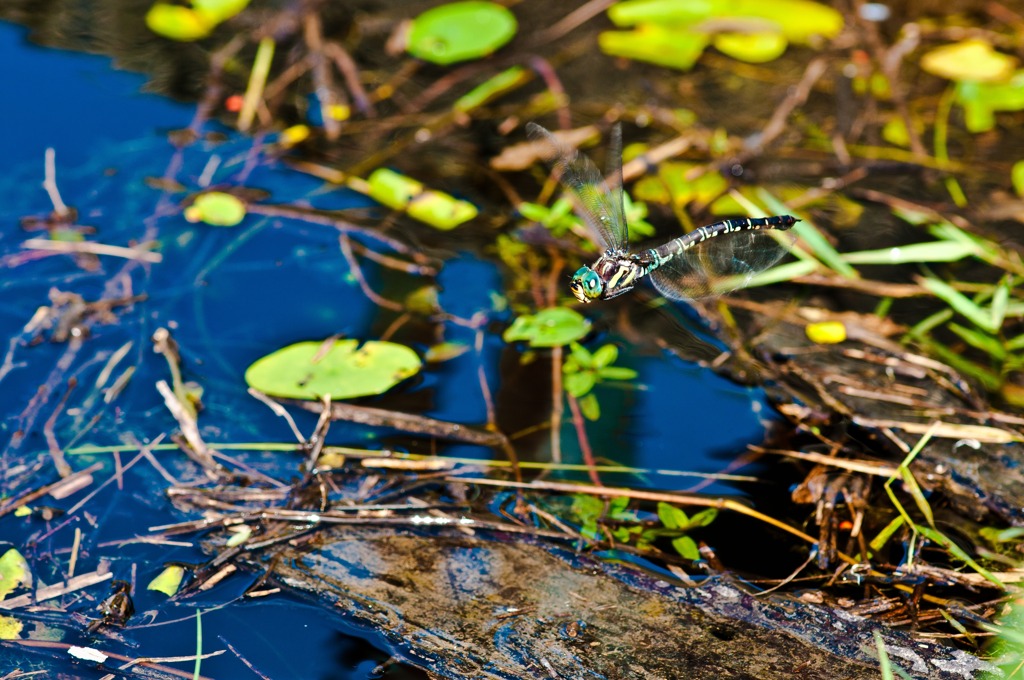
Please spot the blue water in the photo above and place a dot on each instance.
(230, 296)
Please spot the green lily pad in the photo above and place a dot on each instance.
(14, 573)
(799, 21)
(176, 22)
(168, 581)
(460, 31)
(553, 327)
(344, 371)
(217, 209)
(973, 59)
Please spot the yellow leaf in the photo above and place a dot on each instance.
(969, 60)
(826, 332)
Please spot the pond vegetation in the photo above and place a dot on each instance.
(887, 331)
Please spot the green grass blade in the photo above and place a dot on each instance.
(986, 343)
(936, 251)
(959, 302)
(811, 237)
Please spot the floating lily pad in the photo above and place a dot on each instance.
(797, 20)
(460, 31)
(553, 327)
(14, 573)
(345, 370)
(216, 209)
(973, 59)
(168, 581)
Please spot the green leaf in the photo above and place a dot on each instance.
(220, 10)
(671, 185)
(14, 573)
(393, 189)
(176, 22)
(581, 355)
(552, 327)
(959, 302)
(217, 209)
(885, 534)
(590, 407)
(616, 373)
(1017, 178)
(704, 517)
(168, 581)
(587, 507)
(65, 235)
(982, 100)
(10, 628)
(491, 89)
(345, 370)
(753, 48)
(423, 300)
(686, 547)
(618, 509)
(445, 351)
(460, 31)
(434, 208)
(441, 211)
(605, 356)
(671, 516)
(936, 251)
(579, 384)
(674, 47)
(956, 551)
(973, 59)
(986, 343)
(797, 20)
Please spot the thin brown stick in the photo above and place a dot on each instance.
(26, 498)
(581, 434)
(357, 272)
(408, 422)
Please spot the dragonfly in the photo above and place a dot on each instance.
(705, 262)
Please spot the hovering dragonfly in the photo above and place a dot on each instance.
(708, 261)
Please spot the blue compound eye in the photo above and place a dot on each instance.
(586, 285)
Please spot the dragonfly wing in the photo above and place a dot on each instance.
(715, 266)
(598, 204)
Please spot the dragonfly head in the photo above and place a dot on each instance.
(586, 285)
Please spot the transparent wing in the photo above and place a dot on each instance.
(715, 266)
(598, 203)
